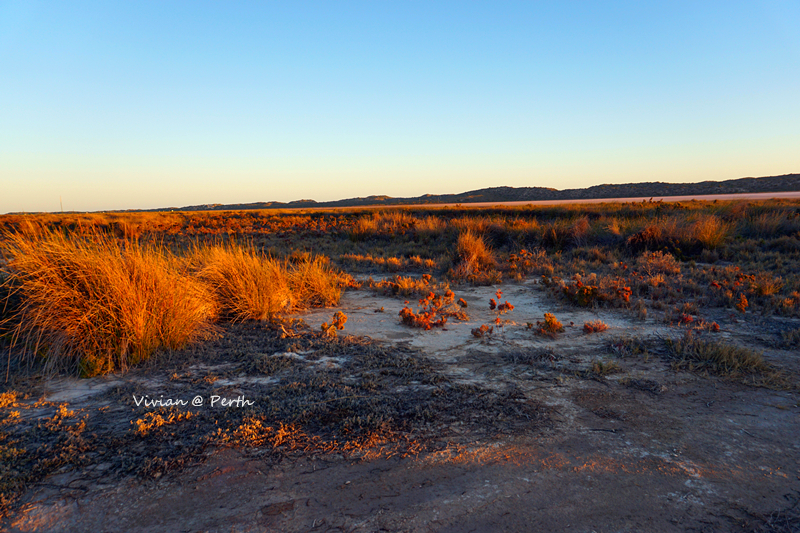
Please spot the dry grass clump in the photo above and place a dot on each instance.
(771, 223)
(473, 224)
(473, 252)
(476, 261)
(708, 230)
(658, 263)
(703, 231)
(717, 357)
(105, 304)
(389, 264)
(382, 223)
(407, 286)
(430, 226)
(100, 304)
(314, 283)
(252, 286)
(246, 284)
(791, 338)
(603, 368)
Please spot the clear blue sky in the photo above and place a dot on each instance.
(115, 105)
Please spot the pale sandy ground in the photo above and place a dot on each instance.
(646, 449)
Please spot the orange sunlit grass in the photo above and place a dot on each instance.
(247, 285)
(101, 304)
(314, 283)
(104, 304)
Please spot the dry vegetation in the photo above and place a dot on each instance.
(109, 289)
(97, 293)
(98, 304)
(736, 362)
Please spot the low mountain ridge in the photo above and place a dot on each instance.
(785, 183)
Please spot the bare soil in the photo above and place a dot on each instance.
(510, 432)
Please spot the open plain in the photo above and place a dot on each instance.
(603, 367)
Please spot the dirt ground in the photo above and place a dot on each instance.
(519, 433)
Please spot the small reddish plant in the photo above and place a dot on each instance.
(505, 306)
(501, 307)
(433, 311)
(741, 303)
(550, 327)
(587, 295)
(624, 294)
(582, 295)
(594, 326)
(338, 322)
(482, 331)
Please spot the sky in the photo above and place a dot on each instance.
(138, 105)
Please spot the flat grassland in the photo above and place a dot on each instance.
(606, 367)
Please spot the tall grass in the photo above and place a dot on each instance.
(474, 256)
(99, 304)
(314, 283)
(245, 284)
(708, 230)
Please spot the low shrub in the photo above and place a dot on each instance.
(434, 311)
(550, 327)
(594, 326)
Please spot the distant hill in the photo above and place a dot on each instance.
(786, 183)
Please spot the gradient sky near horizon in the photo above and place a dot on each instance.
(126, 105)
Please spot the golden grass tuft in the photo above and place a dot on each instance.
(246, 284)
(709, 230)
(474, 255)
(252, 286)
(99, 303)
(653, 263)
(314, 283)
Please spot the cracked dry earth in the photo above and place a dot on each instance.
(643, 449)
